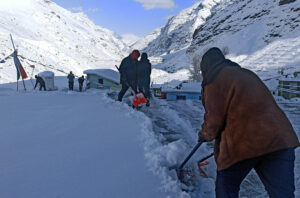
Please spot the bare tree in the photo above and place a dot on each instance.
(194, 70)
(225, 50)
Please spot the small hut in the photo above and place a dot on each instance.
(103, 79)
(156, 89)
(289, 87)
(48, 77)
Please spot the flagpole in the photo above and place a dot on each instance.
(24, 84)
(32, 66)
(12, 41)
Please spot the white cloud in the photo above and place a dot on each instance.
(80, 9)
(151, 4)
(93, 9)
(76, 9)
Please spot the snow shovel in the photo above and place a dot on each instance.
(202, 161)
(180, 171)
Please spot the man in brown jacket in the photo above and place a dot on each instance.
(249, 129)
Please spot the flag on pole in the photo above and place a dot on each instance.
(19, 67)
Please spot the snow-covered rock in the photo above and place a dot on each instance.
(53, 38)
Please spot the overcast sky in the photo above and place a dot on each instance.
(138, 17)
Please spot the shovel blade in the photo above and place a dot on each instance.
(138, 99)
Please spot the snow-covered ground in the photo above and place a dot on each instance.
(72, 144)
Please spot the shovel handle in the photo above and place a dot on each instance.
(190, 155)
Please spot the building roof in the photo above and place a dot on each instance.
(105, 73)
(46, 74)
(191, 87)
(290, 79)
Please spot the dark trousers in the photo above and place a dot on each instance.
(42, 86)
(145, 89)
(276, 171)
(125, 87)
(71, 85)
(80, 87)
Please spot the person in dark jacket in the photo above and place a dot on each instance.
(143, 75)
(249, 129)
(128, 73)
(41, 82)
(71, 80)
(80, 82)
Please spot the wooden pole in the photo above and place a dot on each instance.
(32, 75)
(24, 84)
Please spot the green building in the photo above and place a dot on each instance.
(289, 87)
(103, 79)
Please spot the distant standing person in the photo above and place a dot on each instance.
(128, 73)
(143, 75)
(41, 82)
(80, 82)
(71, 80)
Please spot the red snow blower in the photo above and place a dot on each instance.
(136, 98)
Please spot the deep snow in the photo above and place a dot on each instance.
(71, 144)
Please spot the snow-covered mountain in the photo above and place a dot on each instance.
(142, 43)
(129, 39)
(177, 33)
(261, 35)
(53, 38)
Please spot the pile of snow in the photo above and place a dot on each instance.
(112, 152)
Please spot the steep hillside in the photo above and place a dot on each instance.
(261, 35)
(54, 38)
(247, 26)
(142, 43)
(177, 33)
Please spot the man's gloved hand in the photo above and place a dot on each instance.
(200, 137)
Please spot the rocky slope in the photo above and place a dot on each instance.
(261, 35)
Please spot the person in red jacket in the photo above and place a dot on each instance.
(249, 129)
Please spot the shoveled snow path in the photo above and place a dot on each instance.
(178, 122)
(64, 144)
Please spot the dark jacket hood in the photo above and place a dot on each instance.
(213, 61)
(144, 57)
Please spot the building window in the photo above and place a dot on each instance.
(180, 97)
(100, 81)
